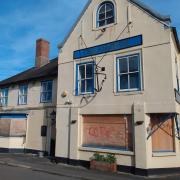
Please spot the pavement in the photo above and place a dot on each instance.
(32, 163)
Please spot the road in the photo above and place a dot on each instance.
(9, 173)
(18, 173)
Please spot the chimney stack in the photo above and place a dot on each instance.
(42, 53)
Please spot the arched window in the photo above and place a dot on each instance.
(105, 14)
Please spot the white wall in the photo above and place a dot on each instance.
(157, 95)
(38, 115)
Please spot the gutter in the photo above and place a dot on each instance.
(176, 37)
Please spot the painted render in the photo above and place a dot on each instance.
(38, 114)
(158, 81)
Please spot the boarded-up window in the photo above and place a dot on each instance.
(108, 131)
(162, 133)
(5, 127)
(12, 127)
(18, 127)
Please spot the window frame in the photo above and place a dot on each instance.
(97, 15)
(22, 95)
(42, 92)
(77, 86)
(118, 88)
(4, 97)
(177, 74)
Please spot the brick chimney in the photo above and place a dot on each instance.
(42, 53)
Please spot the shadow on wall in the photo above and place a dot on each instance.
(48, 132)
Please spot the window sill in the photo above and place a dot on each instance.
(121, 152)
(47, 102)
(86, 94)
(163, 154)
(104, 27)
(128, 93)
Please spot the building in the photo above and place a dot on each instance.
(118, 88)
(28, 106)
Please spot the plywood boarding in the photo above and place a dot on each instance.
(5, 127)
(12, 127)
(163, 136)
(18, 127)
(108, 131)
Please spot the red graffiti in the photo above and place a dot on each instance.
(93, 132)
(105, 132)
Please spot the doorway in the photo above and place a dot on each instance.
(53, 139)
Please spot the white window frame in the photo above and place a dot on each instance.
(79, 80)
(97, 14)
(118, 88)
(45, 83)
(23, 94)
(4, 96)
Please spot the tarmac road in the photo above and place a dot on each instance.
(28, 167)
(15, 173)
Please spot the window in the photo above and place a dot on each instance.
(108, 132)
(177, 75)
(85, 78)
(128, 73)
(23, 91)
(105, 14)
(46, 91)
(4, 96)
(163, 139)
(177, 120)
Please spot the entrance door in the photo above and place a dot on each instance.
(53, 139)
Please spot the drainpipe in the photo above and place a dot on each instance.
(69, 104)
(69, 136)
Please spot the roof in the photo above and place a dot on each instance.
(176, 37)
(138, 3)
(48, 70)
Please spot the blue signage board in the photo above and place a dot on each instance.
(12, 116)
(109, 47)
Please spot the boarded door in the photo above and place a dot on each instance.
(163, 135)
(108, 131)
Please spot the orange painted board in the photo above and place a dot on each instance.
(163, 137)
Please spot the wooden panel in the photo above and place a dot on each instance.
(163, 136)
(5, 127)
(12, 127)
(113, 131)
(18, 127)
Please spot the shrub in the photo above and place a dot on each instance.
(109, 158)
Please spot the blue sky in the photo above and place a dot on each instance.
(22, 22)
